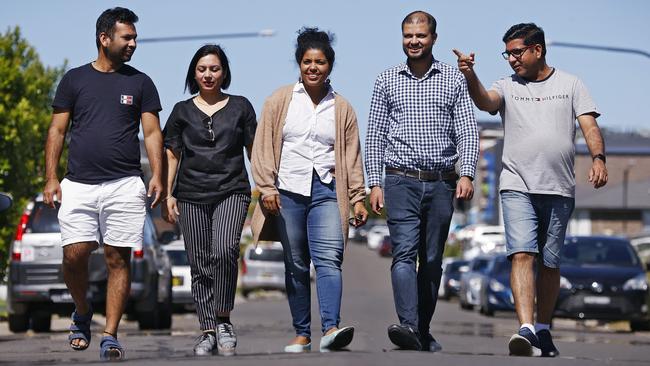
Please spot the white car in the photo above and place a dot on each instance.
(376, 235)
(181, 275)
(484, 239)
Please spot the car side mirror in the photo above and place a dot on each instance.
(167, 237)
(5, 201)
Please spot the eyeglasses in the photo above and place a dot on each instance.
(516, 52)
(210, 131)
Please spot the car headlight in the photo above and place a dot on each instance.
(639, 282)
(475, 283)
(496, 286)
(565, 284)
(454, 283)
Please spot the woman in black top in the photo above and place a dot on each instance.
(207, 134)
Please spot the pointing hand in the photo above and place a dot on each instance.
(465, 63)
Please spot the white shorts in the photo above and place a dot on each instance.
(113, 211)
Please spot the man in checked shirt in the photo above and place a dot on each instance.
(421, 124)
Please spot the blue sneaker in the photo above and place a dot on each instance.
(546, 344)
(524, 343)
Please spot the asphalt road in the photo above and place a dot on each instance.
(263, 326)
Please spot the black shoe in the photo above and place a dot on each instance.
(404, 337)
(546, 344)
(429, 344)
(524, 343)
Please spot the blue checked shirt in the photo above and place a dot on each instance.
(421, 124)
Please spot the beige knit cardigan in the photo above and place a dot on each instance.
(267, 149)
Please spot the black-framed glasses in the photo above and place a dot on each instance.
(211, 135)
(515, 52)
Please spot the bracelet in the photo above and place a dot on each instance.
(166, 198)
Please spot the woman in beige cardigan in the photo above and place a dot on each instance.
(307, 166)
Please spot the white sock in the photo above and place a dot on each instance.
(529, 326)
(541, 326)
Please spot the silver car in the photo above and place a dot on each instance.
(36, 289)
(181, 275)
(262, 267)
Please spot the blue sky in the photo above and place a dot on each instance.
(368, 40)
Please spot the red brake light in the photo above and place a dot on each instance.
(138, 253)
(21, 226)
(15, 256)
(243, 266)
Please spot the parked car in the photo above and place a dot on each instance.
(470, 282)
(641, 244)
(181, 275)
(603, 278)
(452, 269)
(386, 247)
(262, 267)
(484, 240)
(375, 235)
(495, 293)
(36, 289)
(5, 201)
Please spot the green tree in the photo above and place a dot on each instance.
(26, 91)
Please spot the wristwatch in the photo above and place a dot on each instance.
(599, 156)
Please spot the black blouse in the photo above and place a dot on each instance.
(210, 170)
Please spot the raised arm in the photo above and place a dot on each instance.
(53, 149)
(485, 100)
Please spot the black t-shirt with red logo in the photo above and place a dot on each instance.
(105, 109)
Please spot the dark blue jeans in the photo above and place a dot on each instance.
(310, 230)
(419, 214)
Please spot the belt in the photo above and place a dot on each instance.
(425, 175)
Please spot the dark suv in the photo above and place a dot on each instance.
(36, 289)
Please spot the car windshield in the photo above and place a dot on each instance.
(178, 257)
(455, 266)
(599, 251)
(43, 219)
(266, 254)
(502, 266)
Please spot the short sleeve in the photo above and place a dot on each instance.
(582, 101)
(173, 131)
(150, 98)
(64, 97)
(498, 87)
(250, 123)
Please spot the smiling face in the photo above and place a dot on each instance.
(417, 40)
(208, 74)
(120, 47)
(529, 60)
(314, 68)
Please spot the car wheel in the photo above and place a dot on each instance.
(245, 293)
(41, 321)
(639, 325)
(487, 310)
(165, 310)
(18, 323)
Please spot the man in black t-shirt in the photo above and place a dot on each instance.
(105, 101)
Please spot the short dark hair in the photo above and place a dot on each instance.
(208, 49)
(414, 16)
(106, 21)
(312, 38)
(529, 32)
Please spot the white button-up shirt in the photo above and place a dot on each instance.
(308, 142)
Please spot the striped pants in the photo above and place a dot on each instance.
(212, 233)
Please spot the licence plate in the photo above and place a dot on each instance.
(61, 297)
(597, 300)
(177, 281)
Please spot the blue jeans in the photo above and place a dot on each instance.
(419, 214)
(310, 230)
(536, 223)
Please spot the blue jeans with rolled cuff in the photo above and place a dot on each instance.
(310, 230)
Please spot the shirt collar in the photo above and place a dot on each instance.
(299, 87)
(433, 69)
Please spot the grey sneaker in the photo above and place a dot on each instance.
(206, 344)
(226, 339)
